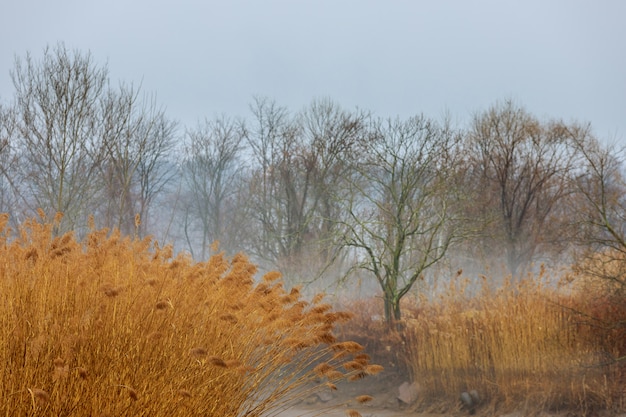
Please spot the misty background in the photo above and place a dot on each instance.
(298, 132)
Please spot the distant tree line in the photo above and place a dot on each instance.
(322, 193)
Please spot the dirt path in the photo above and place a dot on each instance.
(383, 388)
(341, 412)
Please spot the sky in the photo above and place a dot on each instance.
(560, 59)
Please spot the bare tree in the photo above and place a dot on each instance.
(212, 170)
(138, 138)
(58, 120)
(332, 142)
(270, 128)
(400, 220)
(329, 142)
(599, 210)
(8, 162)
(156, 168)
(301, 162)
(122, 148)
(521, 171)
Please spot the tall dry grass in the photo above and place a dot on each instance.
(114, 326)
(368, 328)
(524, 346)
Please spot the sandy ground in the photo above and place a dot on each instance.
(385, 393)
(341, 412)
(383, 388)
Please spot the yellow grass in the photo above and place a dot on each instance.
(113, 326)
(523, 346)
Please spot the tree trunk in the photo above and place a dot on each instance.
(392, 309)
(388, 310)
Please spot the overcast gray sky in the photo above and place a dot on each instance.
(559, 58)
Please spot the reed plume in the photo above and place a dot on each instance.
(117, 325)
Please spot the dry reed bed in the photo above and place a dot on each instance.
(114, 326)
(524, 346)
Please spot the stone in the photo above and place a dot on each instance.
(475, 396)
(466, 399)
(408, 392)
(325, 396)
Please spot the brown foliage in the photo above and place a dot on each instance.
(528, 344)
(118, 326)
